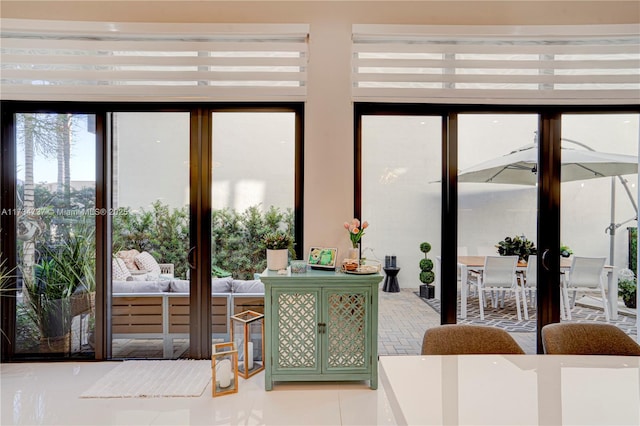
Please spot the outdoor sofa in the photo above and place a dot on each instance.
(160, 308)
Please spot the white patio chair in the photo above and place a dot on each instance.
(499, 274)
(464, 251)
(586, 275)
(529, 284)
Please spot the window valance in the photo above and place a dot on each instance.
(101, 61)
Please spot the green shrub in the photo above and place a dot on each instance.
(236, 237)
(633, 250)
(161, 231)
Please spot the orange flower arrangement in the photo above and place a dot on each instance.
(356, 230)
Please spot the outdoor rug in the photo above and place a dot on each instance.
(507, 317)
(152, 379)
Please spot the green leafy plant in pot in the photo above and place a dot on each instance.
(6, 277)
(64, 278)
(517, 246)
(279, 244)
(565, 250)
(427, 276)
(627, 290)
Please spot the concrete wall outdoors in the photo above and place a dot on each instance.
(252, 159)
(329, 109)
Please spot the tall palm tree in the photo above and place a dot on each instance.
(65, 130)
(37, 133)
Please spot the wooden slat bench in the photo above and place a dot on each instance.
(166, 315)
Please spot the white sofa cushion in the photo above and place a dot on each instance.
(247, 286)
(221, 285)
(140, 286)
(218, 285)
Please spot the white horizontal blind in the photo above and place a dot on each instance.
(596, 64)
(97, 61)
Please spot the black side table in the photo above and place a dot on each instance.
(391, 280)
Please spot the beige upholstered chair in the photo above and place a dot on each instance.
(587, 339)
(462, 339)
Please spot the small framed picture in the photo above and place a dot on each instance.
(322, 258)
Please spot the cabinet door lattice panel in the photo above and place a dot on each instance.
(320, 326)
(297, 336)
(346, 326)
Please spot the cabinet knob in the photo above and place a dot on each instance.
(322, 327)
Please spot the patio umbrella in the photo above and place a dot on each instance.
(520, 167)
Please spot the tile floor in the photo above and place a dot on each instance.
(403, 318)
(48, 393)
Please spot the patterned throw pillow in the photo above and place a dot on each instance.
(146, 262)
(119, 271)
(129, 257)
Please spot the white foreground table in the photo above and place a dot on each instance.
(512, 389)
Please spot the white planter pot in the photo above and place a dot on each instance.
(277, 259)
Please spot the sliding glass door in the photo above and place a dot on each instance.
(599, 212)
(497, 216)
(150, 235)
(55, 223)
(401, 193)
(120, 230)
(531, 182)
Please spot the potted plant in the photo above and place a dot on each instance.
(427, 276)
(63, 286)
(278, 245)
(627, 288)
(517, 246)
(565, 250)
(5, 286)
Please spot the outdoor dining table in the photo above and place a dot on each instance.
(476, 263)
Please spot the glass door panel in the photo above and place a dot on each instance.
(401, 196)
(55, 235)
(497, 215)
(253, 193)
(599, 210)
(150, 272)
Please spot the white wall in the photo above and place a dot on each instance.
(253, 159)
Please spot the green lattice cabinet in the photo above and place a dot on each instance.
(321, 326)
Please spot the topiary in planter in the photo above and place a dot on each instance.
(426, 274)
